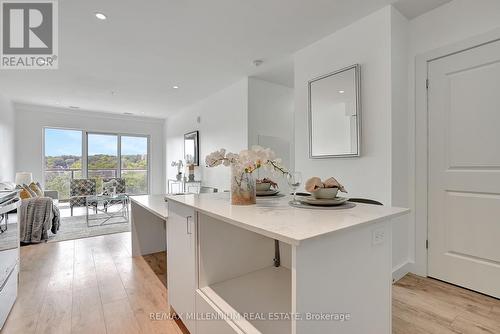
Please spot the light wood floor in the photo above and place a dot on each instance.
(90, 286)
(423, 305)
(94, 286)
(158, 263)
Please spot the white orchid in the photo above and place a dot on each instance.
(247, 160)
(215, 158)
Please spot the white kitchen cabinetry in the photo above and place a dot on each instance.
(335, 274)
(181, 242)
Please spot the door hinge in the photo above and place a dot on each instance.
(426, 244)
(427, 83)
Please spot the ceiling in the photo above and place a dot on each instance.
(411, 8)
(130, 62)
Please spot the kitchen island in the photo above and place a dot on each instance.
(334, 275)
(148, 224)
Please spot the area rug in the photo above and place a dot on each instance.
(76, 227)
(73, 227)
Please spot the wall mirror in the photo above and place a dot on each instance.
(191, 148)
(334, 114)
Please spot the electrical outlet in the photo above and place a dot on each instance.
(378, 237)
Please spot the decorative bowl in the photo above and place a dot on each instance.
(325, 193)
(265, 186)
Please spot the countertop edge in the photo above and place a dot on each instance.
(292, 241)
(401, 213)
(132, 199)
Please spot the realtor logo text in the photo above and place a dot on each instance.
(29, 35)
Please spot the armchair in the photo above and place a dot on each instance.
(79, 189)
(119, 186)
(114, 182)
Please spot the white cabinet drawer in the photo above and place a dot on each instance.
(205, 309)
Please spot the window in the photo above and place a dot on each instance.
(62, 160)
(104, 156)
(134, 163)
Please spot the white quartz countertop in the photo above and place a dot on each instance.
(155, 204)
(275, 218)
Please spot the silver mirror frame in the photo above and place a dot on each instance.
(196, 135)
(357, 84)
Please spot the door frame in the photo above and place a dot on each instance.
(421, 139)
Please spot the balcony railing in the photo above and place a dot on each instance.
(59, 179)
(136, 180)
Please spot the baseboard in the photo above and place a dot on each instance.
(400, 271)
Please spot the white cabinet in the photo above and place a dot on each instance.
(181, 246)
(8, 293)
(220, 265)
(9, 261)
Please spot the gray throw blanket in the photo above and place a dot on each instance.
(36, 217)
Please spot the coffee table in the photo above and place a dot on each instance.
(104, 216)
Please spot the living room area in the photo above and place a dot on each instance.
(75, 170)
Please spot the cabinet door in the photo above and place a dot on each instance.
(181, 270)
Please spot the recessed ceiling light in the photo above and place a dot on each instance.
(175, 87)
(257, 62)
(100, 16)
(128, 113)
(341, 91)
(74, 107)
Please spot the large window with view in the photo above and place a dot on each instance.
(134, 163)
(103, 156)
(63, 159)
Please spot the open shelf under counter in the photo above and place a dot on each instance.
(251, 300)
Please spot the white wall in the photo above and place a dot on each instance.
(270, 110)
(270, 121)
(366, 42)
(224, 124)
(7, 157)
(378, 43)
(446, 25)
(30, 121)
(400, 184)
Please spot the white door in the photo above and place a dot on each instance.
(181, 272)
(464, 168)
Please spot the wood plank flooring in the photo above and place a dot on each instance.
(424, 305)
(157, 262)
(94, 286)
(90, 286)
